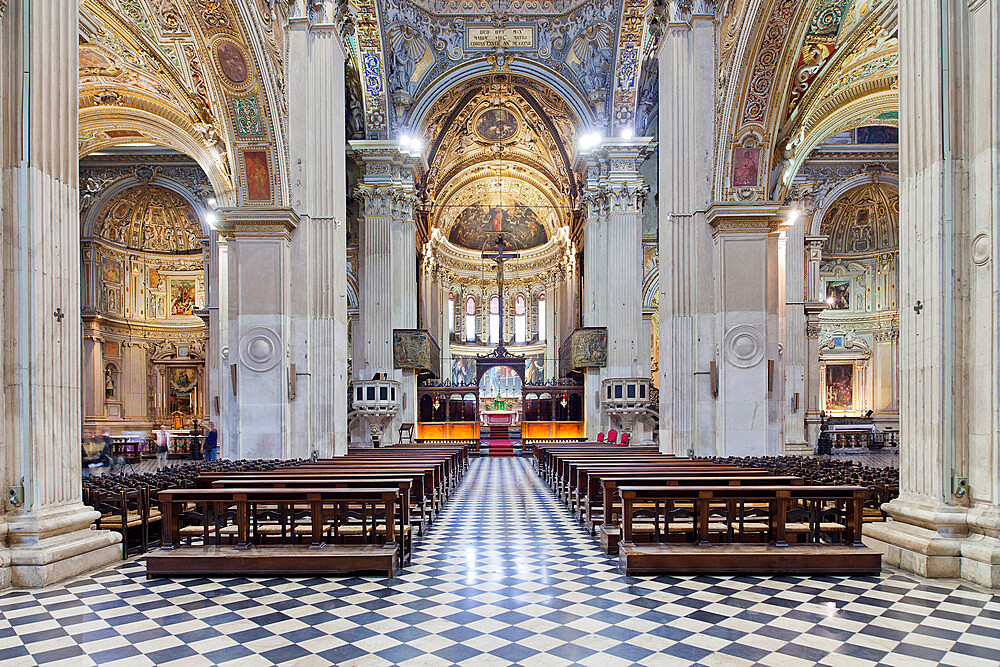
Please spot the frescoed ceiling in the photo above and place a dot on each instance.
(199, 76)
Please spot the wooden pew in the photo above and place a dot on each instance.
(609, 532)
(405, 529)
(708, 542)
(373, 551)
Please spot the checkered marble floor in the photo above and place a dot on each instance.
(505, 576)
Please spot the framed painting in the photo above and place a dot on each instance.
(182, 301)
(258, 173)
(746, 162)
(838, 294)
(840, 387)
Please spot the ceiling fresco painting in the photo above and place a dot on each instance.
(479, 225)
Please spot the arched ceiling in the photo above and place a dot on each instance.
(499, 161)
(150, 218)
(199, 76)
(792, 73)
(863, 220)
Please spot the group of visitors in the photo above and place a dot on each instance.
(204, 439)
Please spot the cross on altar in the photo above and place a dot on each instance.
(500, 257)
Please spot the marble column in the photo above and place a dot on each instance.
(48, 536)
(686, 71)
(259, 278)
(614, 193)
(815, 380)
(746, 328)
(949, 197)
(317, 153)
(387, 258)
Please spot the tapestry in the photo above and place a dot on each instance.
(463, 370)
(840, 387)
(586, 347)
(416, 349)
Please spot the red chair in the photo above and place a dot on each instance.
(612, 436)
(600, 437)
(624, 439)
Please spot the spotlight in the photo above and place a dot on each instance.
(590, 140)
(405, 140)
(211, 202)
(627, 133)
(793, 217)
(210, 219)
(416, 145)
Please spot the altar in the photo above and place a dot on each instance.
(499, 417)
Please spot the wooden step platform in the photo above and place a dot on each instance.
(748, 559)
(272, 560)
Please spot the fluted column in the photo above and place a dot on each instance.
(387, 258)
(317, 147)
(949, 367)
(48, 535)
(686, 62)
(614, 194)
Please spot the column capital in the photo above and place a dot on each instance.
(388, 179)
(613, 183)
(257, 221)
(740, 217)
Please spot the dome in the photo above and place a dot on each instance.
(865, 219)
(150, 218)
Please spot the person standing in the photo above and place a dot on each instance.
(162, 446)
(211, 442)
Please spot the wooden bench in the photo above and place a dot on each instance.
(709, 533)
(329, 534)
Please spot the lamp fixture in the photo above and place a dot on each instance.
(437, 402)
(563, 402)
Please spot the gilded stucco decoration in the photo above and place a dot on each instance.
(793, 72)
(198, 76)
(864, 220)
(152, 218)
(577, 41)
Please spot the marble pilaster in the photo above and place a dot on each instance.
(686, 70)
(317, 143)
(48, 536)
(949, 366)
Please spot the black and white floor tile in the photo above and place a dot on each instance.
(505, 576)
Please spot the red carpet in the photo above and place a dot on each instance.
(503, 448)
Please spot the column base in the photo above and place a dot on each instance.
(55, 544)
(798, 449)
(933, 541)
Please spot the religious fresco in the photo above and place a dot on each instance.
(258, 175)
(840, 387)
(863, 220)
(182, 297)
(745, 165)
(111, 271)
(500, 382)
(496, 125)
(232, 63)
(534, 369)
(476, 227)
(149, 217)
(463, 370)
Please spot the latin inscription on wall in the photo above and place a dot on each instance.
(511, 38)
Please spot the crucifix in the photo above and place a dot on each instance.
(500, 257)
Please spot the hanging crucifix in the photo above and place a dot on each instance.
(500, 257)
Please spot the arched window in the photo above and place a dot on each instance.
(470, 319)
(541, 316)
(494, 320)
(520, 319)
(451, 313)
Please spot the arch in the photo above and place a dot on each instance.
(465, 73)
(842, 188)
(160, 131)
(94, 211)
